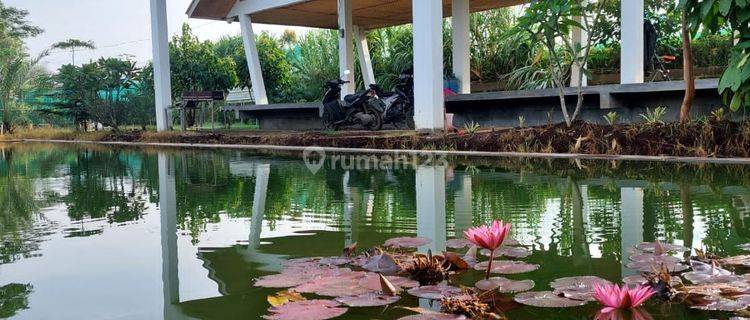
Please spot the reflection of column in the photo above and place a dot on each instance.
(580, 246)
(631, 222)
(168, 214)
(348, 211)
(259, 204)
(430, 183)
(463, 214)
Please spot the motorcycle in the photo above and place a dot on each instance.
(363, 108)
(399, 104)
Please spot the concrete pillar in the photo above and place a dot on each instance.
(580, 39)
(430, 185)
(253, 62)
(262, 171)
(162, 75)
(348, 210)
(462, 45)
(429, 104)
(346, 51)
(632, 42)
(365, 62)
(631, 223)
(463, 216)
(168, 216)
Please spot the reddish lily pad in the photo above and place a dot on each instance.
(334, 261)
(458, 243)
(341, 286)
(504, 285)
(371, 299)
(648, 266)
(546, 299)
(507, 267)
(297, 276)
(434, 316)
(743, 261)
(306, 309)
(707, 278)
(577, 288)
(655, 259)
(660, 246)
(407, 242)
(715, 303)
(635, 280)
(437, 292)
(372, 281)
(382, 263)
(508, 251)
(745, 247)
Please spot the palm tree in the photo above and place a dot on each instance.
(18, 74)
(72, 44)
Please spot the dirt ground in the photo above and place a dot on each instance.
(698, 139)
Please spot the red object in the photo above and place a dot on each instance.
(669, 58)
(449, 93)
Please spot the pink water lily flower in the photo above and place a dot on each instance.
(614, 297)
(489, 237)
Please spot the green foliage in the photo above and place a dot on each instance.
(196, 67)
(715, 15)
(611, 118)
(654, 116)
(471, 127)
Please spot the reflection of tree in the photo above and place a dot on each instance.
(17, 210)
(97, 188)
(14, 297)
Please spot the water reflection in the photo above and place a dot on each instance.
(221, 219)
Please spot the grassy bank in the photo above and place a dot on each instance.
(697, 139)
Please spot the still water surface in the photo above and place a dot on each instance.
(94, 232)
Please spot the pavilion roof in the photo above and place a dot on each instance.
(368, 14)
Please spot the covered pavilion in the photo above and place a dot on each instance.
(352, 18)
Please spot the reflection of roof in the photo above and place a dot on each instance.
(368, 14)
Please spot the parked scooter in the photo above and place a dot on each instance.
(363, 108)
(399, 104)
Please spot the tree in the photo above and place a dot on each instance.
(196, 67)
(76, 87)
(72, 44)
(13, 23)
(551, 23)
(18, 74)
(116, 77)
(734, 14)
(687, 51)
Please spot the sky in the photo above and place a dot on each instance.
(117, 27)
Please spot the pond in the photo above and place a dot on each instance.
(99, 232)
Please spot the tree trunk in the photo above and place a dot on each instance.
(687, 52)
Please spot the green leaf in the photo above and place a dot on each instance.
(736, 102)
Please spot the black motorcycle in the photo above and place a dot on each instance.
(363, 108)
(399, 104)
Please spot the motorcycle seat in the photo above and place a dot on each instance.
(352, 97)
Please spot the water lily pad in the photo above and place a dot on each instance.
(514, 252)
(306, 309)
(743, 261)
(504, 285)
(745, 247)
(657, 259)
(577, 288)
(437, 292)
(507, 267)
(340, 286)
(372, 281)
(648, 266)
(546, 299)
(434, 316)
(707, 278)
(406, 242)
(371, 299)
(383, 263)
(667, 247)
(635, 280)
(334, 261)
(293, 277)
(716, 303)
(458, 243)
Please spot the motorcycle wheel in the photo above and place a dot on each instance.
(376, 124)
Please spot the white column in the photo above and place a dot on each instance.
(262, 171)
(430, 185)
(580, 39)
(631, 223)
(168, 216)
(162, 75)
(348, 210)
(365, 62)
(253, 62)
(463, 217)
(631, 42)
(429, 104)
(462, 45)
(346, 50)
